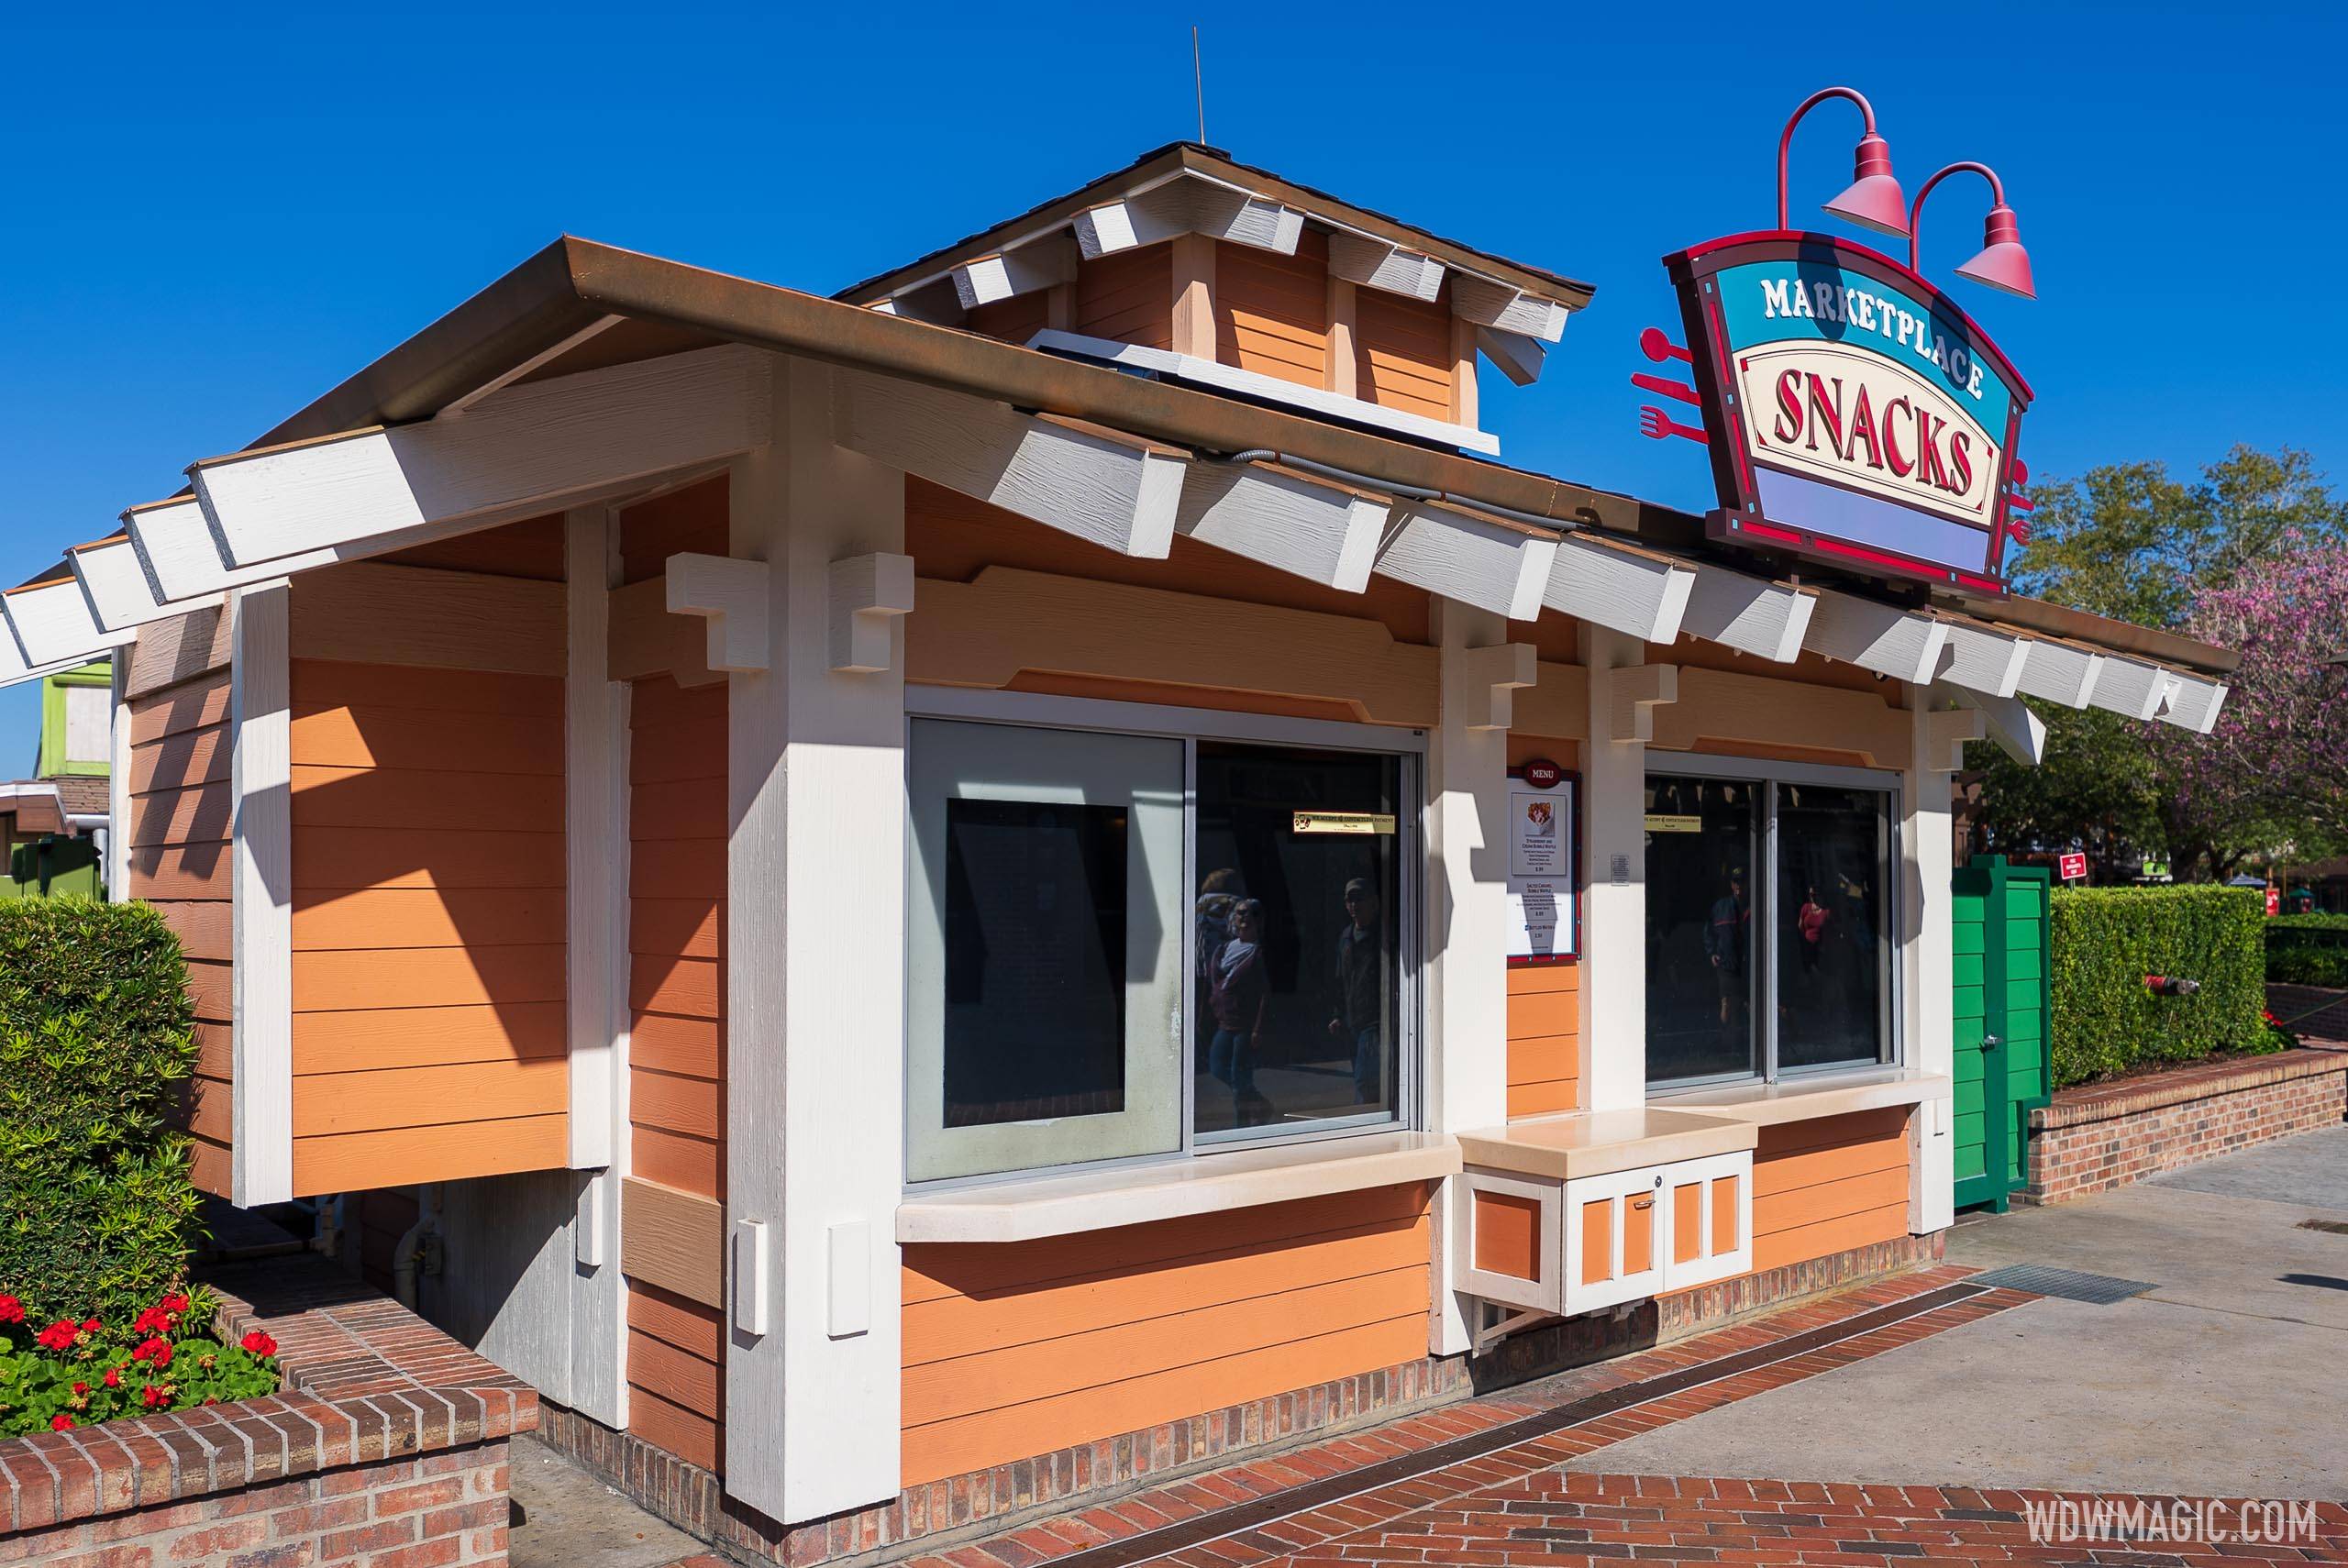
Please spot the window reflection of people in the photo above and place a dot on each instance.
(1359, 1013)
(1237, 990)
(1219, 893)
(1810, 925)
(1725, 940)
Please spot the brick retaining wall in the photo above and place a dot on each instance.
(386, 1449)
(2102, 1136)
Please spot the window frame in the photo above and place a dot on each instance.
(1191, 725)
(1767, 776)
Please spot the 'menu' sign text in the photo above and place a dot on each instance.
(1854, 412)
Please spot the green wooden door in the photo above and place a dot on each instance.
(1998, 1003)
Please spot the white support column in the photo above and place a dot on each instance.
(595, 732)
(1927, 848)
(1465, 1008)
(118, 849)
(261, 831)
(815, 916)
(1614, 875)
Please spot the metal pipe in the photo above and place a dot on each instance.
(407, 1256)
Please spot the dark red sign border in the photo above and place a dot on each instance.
(1740, 520)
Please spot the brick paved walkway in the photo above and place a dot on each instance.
(1478, 1483)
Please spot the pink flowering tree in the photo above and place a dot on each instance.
(2272, 776)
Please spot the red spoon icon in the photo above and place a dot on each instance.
(1658, 347)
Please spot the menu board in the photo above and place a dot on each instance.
(1542, 884)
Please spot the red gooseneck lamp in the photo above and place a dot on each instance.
(1873, 200)
(2003, 263)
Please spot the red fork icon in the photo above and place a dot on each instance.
(1657, 424)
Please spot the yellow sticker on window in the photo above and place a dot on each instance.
(1667, 822)
(1342, 822)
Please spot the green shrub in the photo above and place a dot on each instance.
(2105, 940)
(96, 1045)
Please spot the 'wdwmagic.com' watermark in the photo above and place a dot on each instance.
(2203, 1521)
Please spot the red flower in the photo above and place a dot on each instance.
(155, 1396)
(81, 1388)
(259, 1343)
(114, 1377)
(11, 1310)
(174, 1304)
(154, 1321)
(90, 1325)
(59, 1336)
(156, 1350)
(59, 1423)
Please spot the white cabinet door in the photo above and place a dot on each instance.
(1511, 1232)
(1614, 1237)
(1709, 1211)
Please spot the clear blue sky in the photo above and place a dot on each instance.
(208, 222)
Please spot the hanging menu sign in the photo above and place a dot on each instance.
(1543, 908)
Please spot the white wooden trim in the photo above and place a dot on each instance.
(867, 593)
(1320, 531)
(2130, 687)
(1098, 485)
(259, 707)
(1464, 1075)
(814, 1081)
(529, 447)
(1187, 204)
(1926, 955)
(1636, 691)
(1620, 587)
(115, 581)
(1749, 613)
(1381, 264)
(1890, 641)
(1318, 401)
(1489, 303)
(1614, 964)
(53, 622)
(1501, 671)
(1517, 356)
(1941, 735)
(1492, 565)
(118, 867)
(2019, 734)
(530, 366)
(2059, 672)
(596, 804)
(1038, 264)
(731, 595)
(2193, 704)
(15, 671)
(1983, 659)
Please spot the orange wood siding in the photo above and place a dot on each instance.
(1825, 1187)
(1128, 297)
(1402, 354)
(429, 959)
(1021, 1349)
(1508, 1234)
(178, 845)
(677, 816)
(1271, 312)
(1543, 1038)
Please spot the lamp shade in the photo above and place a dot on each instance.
(1873, 200)
(2003, 263)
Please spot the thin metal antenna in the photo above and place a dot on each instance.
(1199, 80)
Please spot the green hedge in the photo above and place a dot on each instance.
(2106, 939)
(96, 1043)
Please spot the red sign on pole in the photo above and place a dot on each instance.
(2075, 868)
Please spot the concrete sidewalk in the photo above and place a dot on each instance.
(2223, 1379)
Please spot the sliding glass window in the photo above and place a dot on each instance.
(1770, 926)
(1123, 946)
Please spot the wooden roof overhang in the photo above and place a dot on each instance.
(592, 371)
